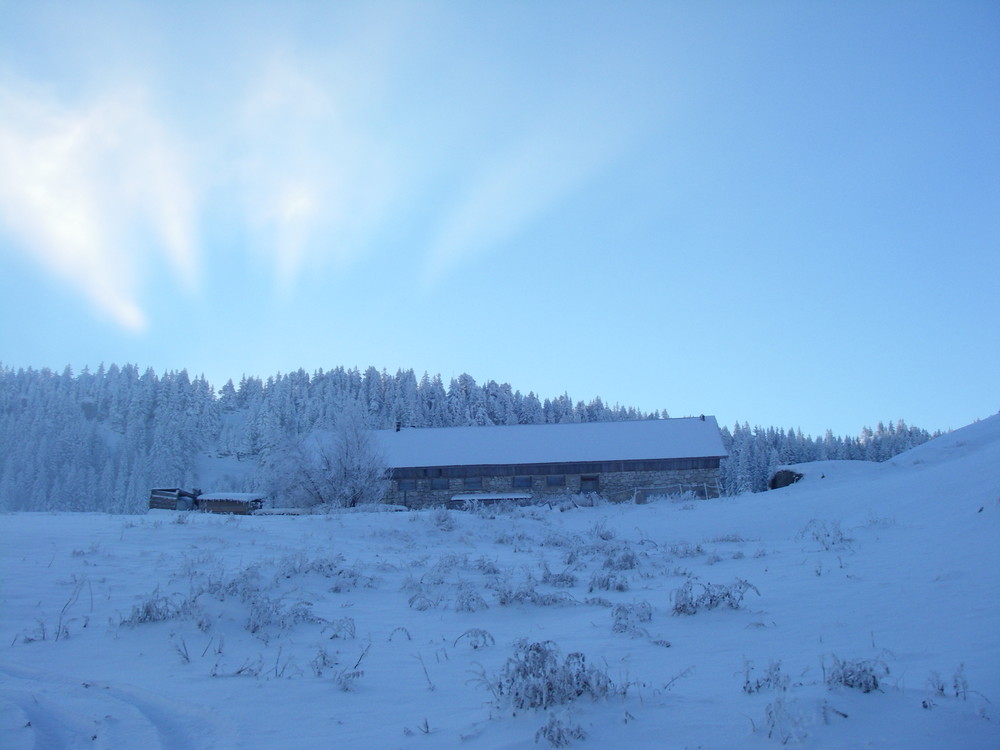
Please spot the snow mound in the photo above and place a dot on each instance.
(960, 444)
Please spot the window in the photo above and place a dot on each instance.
(521, 483)
(473, 483)
(590, 483)
(406, 484)
(555, 480)
(440, 483)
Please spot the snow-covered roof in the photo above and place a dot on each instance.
(552, 443)
(243, 497)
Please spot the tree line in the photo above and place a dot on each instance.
(99, 440)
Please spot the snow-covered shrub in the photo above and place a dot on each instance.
(350, 578)
(935, 683)
(558, 733)
(570, 501)
(477, 638)
(783, 722)
(158, 608)
(604, 581)
(600, 531)
(535, 677)
(728, 538)
(443, 520)
(244, 586)
(772, 679)
(564, 579)
(561, 539)
(553, 599)
(628, 616)
(828, 534)
(685, 549)
(422, 602)
(516, 540)
(959, 684)
(298, 564)
(263, 612)
(321, 661)
(622, 558)
(343, 627)
(506, 592)
(487, 566)
(494, 510)
(711, 596)
(860, 674)
(470, 600)
(346, 678)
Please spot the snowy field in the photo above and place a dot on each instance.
(859, 608)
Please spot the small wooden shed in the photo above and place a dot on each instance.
(240, 503)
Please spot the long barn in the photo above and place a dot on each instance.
(618, 460)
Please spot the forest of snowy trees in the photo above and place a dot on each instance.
(99, 441)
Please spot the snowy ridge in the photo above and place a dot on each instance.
(394, 630)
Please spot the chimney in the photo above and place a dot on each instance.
(702, 417)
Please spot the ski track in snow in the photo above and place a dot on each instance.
(41, 710)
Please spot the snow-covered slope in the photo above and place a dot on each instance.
(387, 630)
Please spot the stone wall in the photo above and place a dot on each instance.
(620, 486)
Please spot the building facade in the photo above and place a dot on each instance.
(617, 460)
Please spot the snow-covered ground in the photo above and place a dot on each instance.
(401, 630)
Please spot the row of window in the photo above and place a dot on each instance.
(587, 483)
(514, 470)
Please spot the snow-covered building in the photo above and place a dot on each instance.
(618, 460)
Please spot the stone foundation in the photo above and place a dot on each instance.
(619, 486)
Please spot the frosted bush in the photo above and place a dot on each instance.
(422, 602)
(712, 595)
(783, 722)
(684, 549)
(628, 616)
(536, 677)
(860, 674)
(772, 679)
(604, 581)
(622, 559)
(601, 532)
(827, 533)
(343, 627)
(558, 733)
(476, 638)
(265, 612)
(443, 520)
(157, 608)
(564, 579)
(469, 600)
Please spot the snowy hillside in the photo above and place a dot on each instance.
(867, 607)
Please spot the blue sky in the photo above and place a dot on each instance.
(780, 212)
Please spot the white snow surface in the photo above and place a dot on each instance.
(552, 443)
(380, 630)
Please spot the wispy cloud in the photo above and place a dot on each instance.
(553, 155)
(314, 177)
(80, 187)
